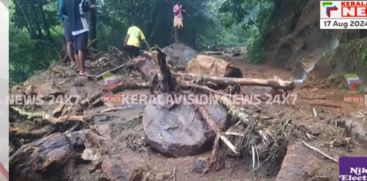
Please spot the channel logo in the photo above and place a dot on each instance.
(352, 168)
(355, 83)
(329, 7)
(346, 15)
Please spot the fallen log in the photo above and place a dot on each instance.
(100, 76)
(274, 83)
(33, 134)
(212, 91)
(129, 85)
(49, 118)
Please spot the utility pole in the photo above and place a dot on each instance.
(93, 25)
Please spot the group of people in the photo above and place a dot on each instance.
(73, 14)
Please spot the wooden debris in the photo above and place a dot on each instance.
(314, 112)
(58, 111)
(29, 90)
(320, 152)
(33, 134)
(174, 174)
(324, 104)
(274, 83)
(100, 76)
(155, 70)
(208, 90)
(89, 101)
(213, 126)
(129, 85)
(49, 118)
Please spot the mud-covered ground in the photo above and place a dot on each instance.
(313, 107)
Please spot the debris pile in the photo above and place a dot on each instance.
(96, 135)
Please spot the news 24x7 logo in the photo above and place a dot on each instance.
(343, 14)
(353, 168)
(111, 81)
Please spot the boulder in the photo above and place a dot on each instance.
(214, 66)
(115, 169)
(47, 155)
(179, 54)
(199, 165)
(178, 129)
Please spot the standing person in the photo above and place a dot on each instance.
(133, 39)
(178, 11)
(67, 34)
(77, 10)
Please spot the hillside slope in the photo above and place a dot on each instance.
(295, 39)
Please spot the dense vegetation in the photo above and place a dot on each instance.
(36, 34)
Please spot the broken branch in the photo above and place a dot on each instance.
(319, 151)
(214, 127)
(100, 76)
(50, 119)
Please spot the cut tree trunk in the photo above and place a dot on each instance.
(213, 66)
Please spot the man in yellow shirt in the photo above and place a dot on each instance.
(133, 40)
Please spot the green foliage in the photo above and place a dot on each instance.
(36, 34)
(253, 16)
(27, 54)
(218, 34)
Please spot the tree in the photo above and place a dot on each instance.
(254, 16)
(32, 15)
(93, 25)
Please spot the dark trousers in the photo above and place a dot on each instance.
(132, 51)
